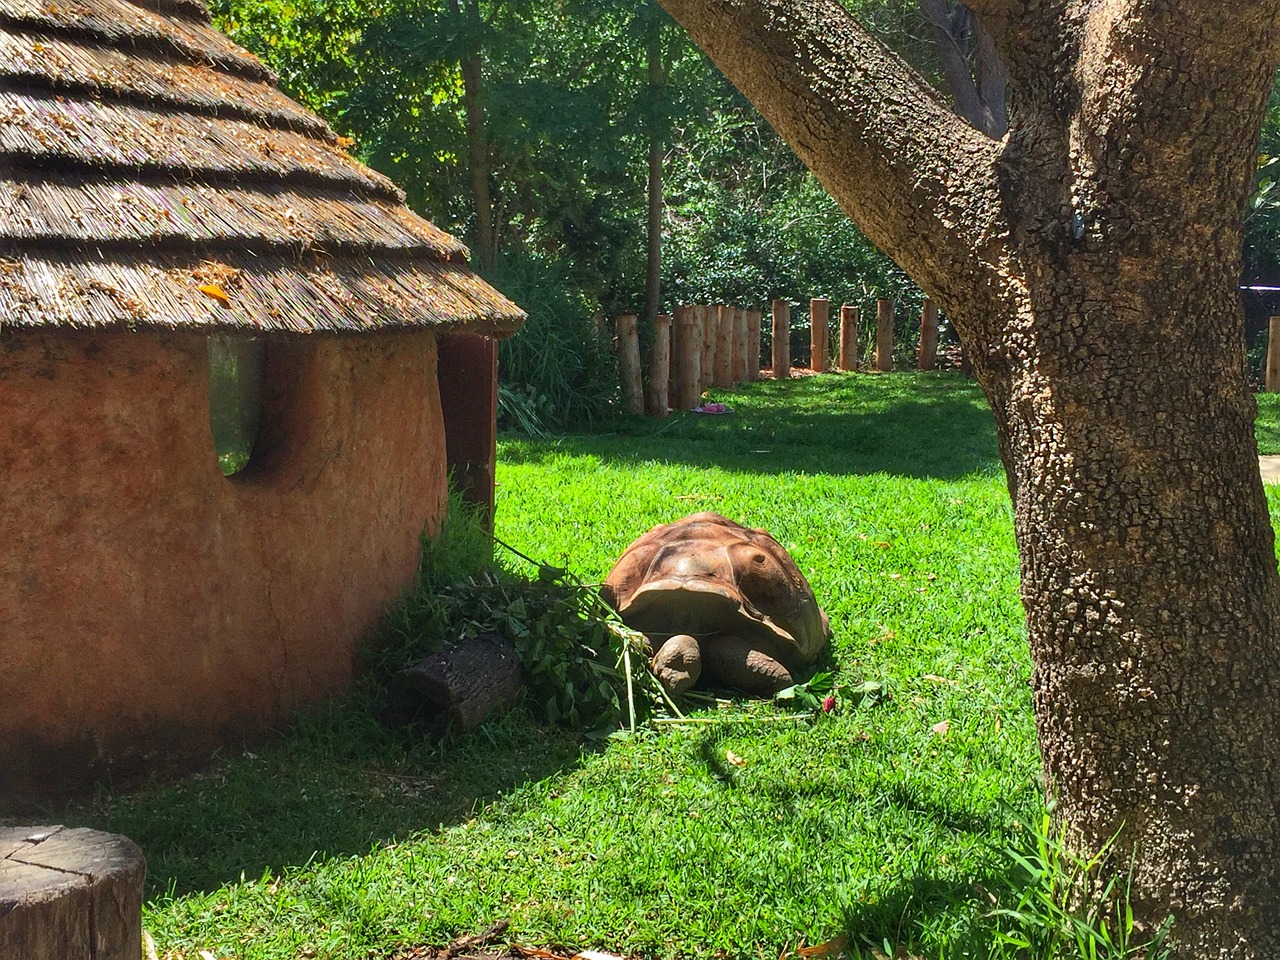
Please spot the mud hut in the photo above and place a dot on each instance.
(165, 211)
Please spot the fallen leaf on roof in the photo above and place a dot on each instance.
(216, 292)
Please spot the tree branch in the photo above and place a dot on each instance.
(919, 181)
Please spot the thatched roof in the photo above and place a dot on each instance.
(152, 175)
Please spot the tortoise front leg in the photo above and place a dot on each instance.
(678, 664)
(737, 663)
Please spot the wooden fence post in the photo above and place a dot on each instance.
(927, 358)
(739, 345)
(629, 362)
(753, 345)
(884, 335)
(781, 340)
(707, 323)
(848, 337)
(1272, 383)
(660, 367)
(687, 368)
(819, 317)
(724, 346)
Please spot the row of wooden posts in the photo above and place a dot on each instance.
(701, 346)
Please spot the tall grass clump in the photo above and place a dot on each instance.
(1062, 905)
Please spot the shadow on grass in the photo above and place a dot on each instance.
(338, 785)
(911, 425)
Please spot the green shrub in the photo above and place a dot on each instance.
(559, 367)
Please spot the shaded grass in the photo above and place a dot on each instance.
(345, 839)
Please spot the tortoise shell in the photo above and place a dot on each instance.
(706, 575)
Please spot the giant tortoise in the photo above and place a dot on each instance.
(719, 601)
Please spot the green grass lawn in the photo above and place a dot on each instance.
(1268, 423)
(348, 840)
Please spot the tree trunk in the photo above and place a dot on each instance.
(1090, 262)
(653, 220)
(971, 66)
(479, 150)
(659, 400)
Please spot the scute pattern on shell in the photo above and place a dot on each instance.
(706, 575)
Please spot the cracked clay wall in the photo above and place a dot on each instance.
(149, 606)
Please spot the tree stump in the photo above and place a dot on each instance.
(740, 341)
(687, 359)
(708, 321)
(660, 367)
(753, 345)
(69, 894)
(459, 687)
(723, 373)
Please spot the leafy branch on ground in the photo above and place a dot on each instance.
(583, 666)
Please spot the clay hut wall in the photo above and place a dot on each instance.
(150, 604)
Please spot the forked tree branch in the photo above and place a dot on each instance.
(919, 181)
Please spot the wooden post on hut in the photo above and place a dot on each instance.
(781, 340)
(884, 335)
(848, 338)
(753, 345)
(687, 368)
(724, 346)
(819, 317)
(927, 358)
(707, 323)
(660, 367)
(628, 337)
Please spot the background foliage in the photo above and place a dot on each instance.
(568, 114)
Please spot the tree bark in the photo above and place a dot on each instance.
(1089, 262)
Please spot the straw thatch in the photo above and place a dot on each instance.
(151, 174)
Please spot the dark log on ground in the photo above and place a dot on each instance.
(459, 687)
(70, 894)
